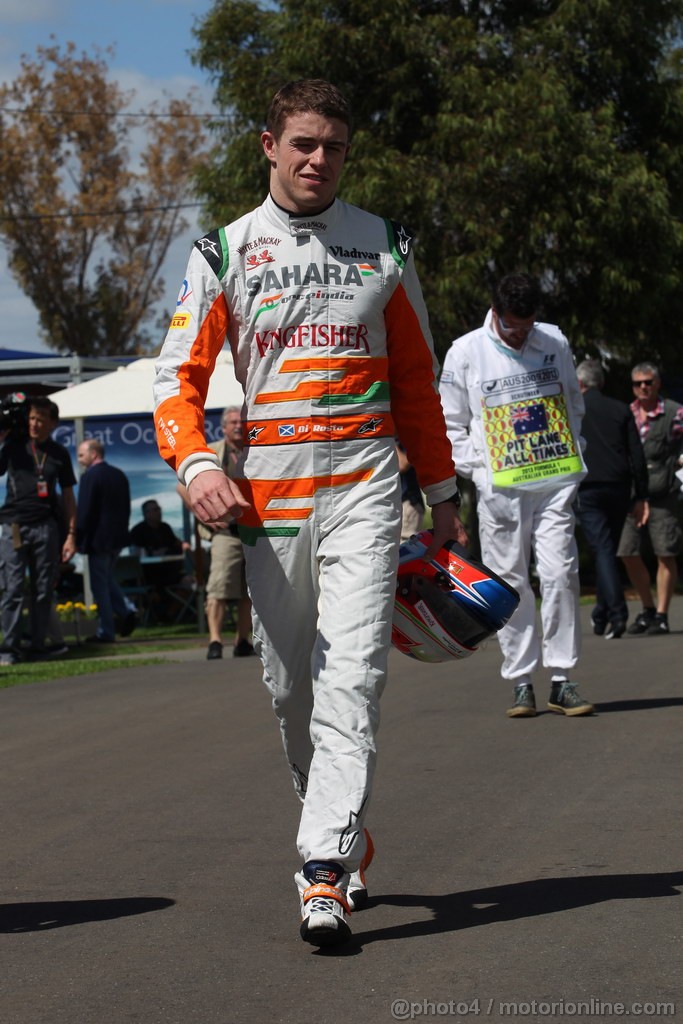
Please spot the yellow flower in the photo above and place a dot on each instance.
(70, 610)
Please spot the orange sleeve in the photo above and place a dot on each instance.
(184, 370)
(415, 403)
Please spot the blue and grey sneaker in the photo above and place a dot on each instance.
(525, 702)
(565, 699)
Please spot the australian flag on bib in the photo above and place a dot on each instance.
(528, 419)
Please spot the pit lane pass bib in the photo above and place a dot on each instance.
(527, 430)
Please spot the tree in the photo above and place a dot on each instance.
(543, 135)
(86, 232)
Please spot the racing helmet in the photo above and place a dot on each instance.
(444, 609)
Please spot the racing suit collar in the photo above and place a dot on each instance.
(302, 224)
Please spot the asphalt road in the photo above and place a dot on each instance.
(523, 867)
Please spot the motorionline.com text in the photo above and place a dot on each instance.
(406, 1009)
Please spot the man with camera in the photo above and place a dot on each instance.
(33, 520)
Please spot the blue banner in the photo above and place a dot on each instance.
(130, 444)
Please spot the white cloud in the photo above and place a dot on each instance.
(27, 12)
(149, 89)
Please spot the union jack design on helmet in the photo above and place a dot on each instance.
(445, 608)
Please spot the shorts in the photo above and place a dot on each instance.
(663, 527)
(413, 516)
(227, 580)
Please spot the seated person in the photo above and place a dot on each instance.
(153, 537)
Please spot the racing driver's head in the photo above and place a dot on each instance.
(306, 140)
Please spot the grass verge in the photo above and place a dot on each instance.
(85, 658)
(41, 672)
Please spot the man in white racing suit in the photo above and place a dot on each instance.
(322, 309)
(513, 411)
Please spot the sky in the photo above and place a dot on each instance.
(152, 40)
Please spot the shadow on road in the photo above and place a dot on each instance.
(477, 907)
(38, 917)
(644, 704)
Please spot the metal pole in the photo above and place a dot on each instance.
(79, 436)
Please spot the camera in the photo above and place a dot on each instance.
(14, 414)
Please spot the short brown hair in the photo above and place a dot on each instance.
(303, 96)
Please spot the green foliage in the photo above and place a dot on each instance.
(543, 136)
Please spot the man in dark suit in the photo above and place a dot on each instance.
(101, 532)
(616, 484)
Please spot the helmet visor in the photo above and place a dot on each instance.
(454, 617)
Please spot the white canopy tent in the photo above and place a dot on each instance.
(128, 391)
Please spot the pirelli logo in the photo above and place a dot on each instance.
(180, 320)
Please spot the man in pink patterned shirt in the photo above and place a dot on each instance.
(660, 424)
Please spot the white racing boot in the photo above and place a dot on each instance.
(357, 893)
(325, 910)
